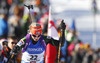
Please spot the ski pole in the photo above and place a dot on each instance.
(10, 57)
(29, 7)
(61, 40)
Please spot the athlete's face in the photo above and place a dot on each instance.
(36, 37)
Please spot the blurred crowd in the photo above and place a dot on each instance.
(14, 22)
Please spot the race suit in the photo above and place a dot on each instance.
(35, 50)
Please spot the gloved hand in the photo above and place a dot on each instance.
(62, 25)
(62, 35)
(15, 50)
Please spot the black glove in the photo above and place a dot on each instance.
(62, 25)
(15, 50)
(62, 36)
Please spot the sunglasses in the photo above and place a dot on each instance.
(13, 43)
(36, 35)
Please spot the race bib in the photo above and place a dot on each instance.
(33, 58)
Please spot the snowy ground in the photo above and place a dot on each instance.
(81, 11)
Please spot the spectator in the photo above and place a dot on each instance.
(12, 41)
(88, 58)
(14, 22)
(4, 44)
(2, 58)
(3, 26)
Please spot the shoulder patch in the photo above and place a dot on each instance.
(21, 42)
(48, 37)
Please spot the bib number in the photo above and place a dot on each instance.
(33, 58)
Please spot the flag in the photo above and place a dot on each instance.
(73, 25)
(52, 30)
(51, 51)
(50, 54)
(71, 35)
